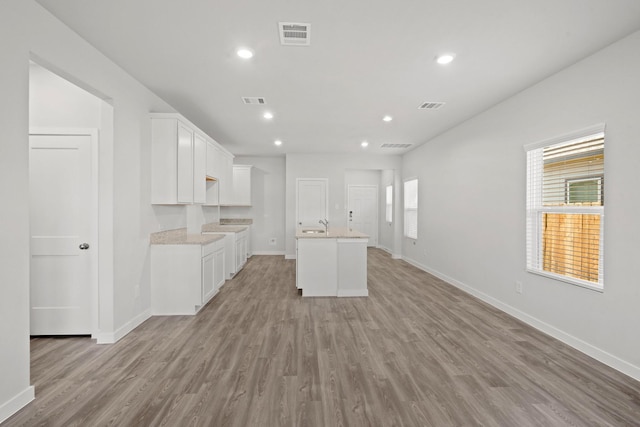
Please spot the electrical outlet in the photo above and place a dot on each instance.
(272, 241)
(518, 286)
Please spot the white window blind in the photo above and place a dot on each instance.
(411, 209)
(389, 204)
(565, 208)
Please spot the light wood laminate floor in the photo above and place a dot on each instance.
(416, 352)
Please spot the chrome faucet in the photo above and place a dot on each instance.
(326, 225)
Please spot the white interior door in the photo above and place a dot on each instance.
(61, 217)
(311, 199)
(362, 210)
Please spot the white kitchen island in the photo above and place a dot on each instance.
(331, 263)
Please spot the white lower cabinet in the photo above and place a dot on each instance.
(242, 251)
(185, 277)
(236, 252)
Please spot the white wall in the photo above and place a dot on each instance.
(471, 227)
(15, 390)
(56, 102)
(332, 167)
(267, 203)
(27, 30)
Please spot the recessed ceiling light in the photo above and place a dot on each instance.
(445, 58)
(364, 144)
(387, 118)
(245, 53)
(277, 142)
(268, 115)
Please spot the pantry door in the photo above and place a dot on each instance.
(362, 210)
(311, 201)
(63, 220)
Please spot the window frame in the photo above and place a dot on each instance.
(406, 209)
(599, 180)
(535, 211)
(388, 214)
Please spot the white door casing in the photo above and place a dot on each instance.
(63, 216)
(362, 210)
(311, 201)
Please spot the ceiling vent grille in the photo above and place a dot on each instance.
(396, 145)
(295, 34)
(431, 105)
(254, 100)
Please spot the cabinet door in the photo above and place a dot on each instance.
(241, 185)
(199, 169)
(185, 164)
(208, 277)
(211, 160)
(226, 180)
(249, 244)
(239, 254)
(218, 267)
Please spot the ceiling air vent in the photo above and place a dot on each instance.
(254, 100)
(430, 105)
(294, 34)
(396, 145)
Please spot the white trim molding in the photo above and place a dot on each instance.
(121, 332)
(16, 403)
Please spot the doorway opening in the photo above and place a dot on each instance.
(70, 154)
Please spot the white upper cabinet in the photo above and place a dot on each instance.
(199, 169)
(184, 171)
(241, 185)
(211, 160)
(180, 162)
(226, 179)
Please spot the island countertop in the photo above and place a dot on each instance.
(332, 233)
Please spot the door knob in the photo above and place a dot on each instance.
(84, 246)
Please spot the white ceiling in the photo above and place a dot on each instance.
(367, 58)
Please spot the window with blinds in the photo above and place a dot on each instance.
(565, 208)
(389, 204)
(411, 209)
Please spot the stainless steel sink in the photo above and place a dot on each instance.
(313, 231)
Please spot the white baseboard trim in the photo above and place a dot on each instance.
(268, 253)
(580, 345)
(353, 293)
(396, 256)
(289, 256)
(384, 248)
(16, 403)
(113, 337)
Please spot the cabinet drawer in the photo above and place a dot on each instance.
(212, 247)
(208, 249)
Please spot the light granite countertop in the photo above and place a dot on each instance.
(236, 221)
(333, 233)
(179, 236)
(214, 227)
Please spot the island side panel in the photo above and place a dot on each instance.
(352, 267)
